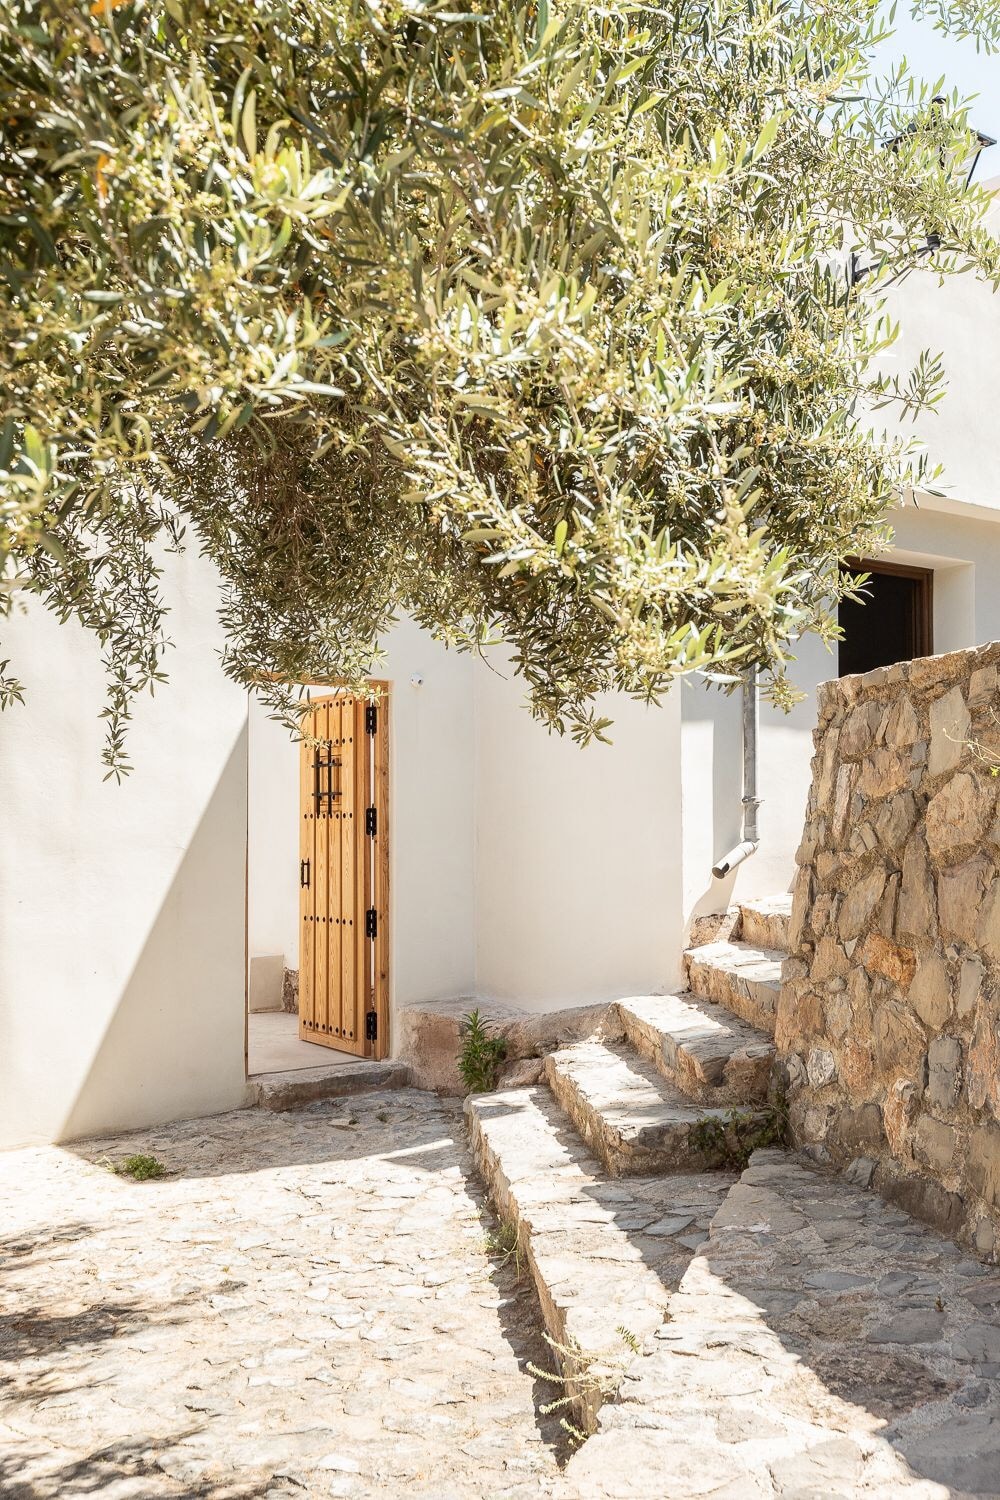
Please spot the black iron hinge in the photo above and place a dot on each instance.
(371, 1026)
(371, 821)
(371, 718)
(371, 922)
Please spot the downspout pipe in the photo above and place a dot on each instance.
(750, 840)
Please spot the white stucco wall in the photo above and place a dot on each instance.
(957, 535)
(522, 867)
(432, 890)
(959, 318)
(121, 907)
(712, 772)
(577, 852)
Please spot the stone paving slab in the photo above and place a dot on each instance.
(710, 1054)
(304, 1306)
(604, 1255)
(821, 1344)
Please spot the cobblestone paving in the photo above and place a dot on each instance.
(305, 1305)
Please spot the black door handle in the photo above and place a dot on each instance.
(304, 873)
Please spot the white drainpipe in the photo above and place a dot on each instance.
(751, 801)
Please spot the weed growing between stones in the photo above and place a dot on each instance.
(503, 1244)
(480, 1056)
(140, 1168)
(584, 1371)
(730, 1141)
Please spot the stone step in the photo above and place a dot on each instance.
(745, 979)
(764, 921)
(628, 1114)
(604, 1255)
(821, 1343)
(709, 1054)
(294, 1090)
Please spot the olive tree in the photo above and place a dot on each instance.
(530, 321)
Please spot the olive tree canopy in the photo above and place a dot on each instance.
(529, 320)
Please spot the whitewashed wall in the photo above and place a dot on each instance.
(957, 535)
(121, 907)
(577, 852)
(522, 867)
(712, 772)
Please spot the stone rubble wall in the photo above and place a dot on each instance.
(889, 1018)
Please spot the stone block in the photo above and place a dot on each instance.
(902, 726)
(916, 911)
(846, 777)
(884, 772)
(983, 685)
(801, 901)
(982, 1163)
(950, 724)
(522, 1073)
(892, 960)
(821, 1068)
(857, 1065)
(935, 1144)
(985, 1237)
(982, 1080)
(960, 891)
(895, 819)
(838, 1014)
(923, 1198)
(958, 814)
(988, 929)
(858, 1131)
(861, 1171)
(822, 911)
(944, 1071)
(860, 902)
(829, 960)
(827, 763)
(900, 1044)
(970, 979)
(930, 992)
(858, 730)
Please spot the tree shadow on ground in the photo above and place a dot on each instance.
(254, 1140)
(402, 1129)
(128, 1469)
(16, 1250)
(849, 1324)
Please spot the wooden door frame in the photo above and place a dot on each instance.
(379, 1049)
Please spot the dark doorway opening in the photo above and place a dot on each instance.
(892, 623)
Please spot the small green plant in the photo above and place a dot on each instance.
(481, 1055)
(503, 1244)
(730, 1140)
(585, 1371)
(140, 1167)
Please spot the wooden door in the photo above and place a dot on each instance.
(343, 874)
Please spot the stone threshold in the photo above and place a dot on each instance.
(301, 1086)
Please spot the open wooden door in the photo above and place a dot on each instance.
(344, 875)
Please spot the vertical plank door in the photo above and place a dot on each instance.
(343, 875)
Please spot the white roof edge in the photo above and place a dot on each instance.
(951, 505)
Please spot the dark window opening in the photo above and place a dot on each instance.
(893, 621)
